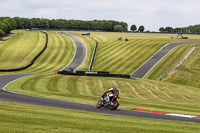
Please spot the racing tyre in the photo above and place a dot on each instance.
(115, 106)
(99, 104)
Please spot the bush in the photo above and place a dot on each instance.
(118, 28)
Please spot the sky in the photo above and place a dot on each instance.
(152, 14)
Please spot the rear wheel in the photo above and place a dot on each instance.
(115, 106)
(99, 104)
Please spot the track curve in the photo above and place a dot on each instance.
(33, 100)
(143, 70)
(80, 55)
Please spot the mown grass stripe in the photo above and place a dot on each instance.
(142, 94)
(58, 54)
(19, 47)
(52, 84)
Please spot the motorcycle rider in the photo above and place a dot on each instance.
(114, 93)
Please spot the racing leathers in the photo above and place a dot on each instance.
(114, 93)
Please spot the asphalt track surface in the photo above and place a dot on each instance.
(80, 54)
(33, 100)
(143, 70)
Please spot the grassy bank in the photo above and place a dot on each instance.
(134, 93)
(43, 119)
(168, 61)
(17, 51)
(188, 73)
(59, 52)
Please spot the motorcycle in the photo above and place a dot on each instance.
(106, 103)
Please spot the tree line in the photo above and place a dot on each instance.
(194, 29)
(190, 29)
(6, 25)
(101, 25)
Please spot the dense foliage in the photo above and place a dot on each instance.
(6, 25)
(141, 28)
(118, 28)
(102, 25)
(133, 28)
(195, 29)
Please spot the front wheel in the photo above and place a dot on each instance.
(115, 106)
(99, 104)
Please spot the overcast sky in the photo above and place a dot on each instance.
(153, 14)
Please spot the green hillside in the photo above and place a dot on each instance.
(188, 73)
(170, 60)
(21, 49)
(59, 53)
(125, 57)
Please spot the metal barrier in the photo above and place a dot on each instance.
(97, 73)
(93, 56)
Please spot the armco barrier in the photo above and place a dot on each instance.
(32, 62)
(93, 56)
(97, 73)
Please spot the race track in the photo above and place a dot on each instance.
(80, 53)
(143, 70)
(26, 99)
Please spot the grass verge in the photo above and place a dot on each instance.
(168, 61)
(43, 119)
(188, 73)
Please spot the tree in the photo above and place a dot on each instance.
(124, 25)
(2, 32)
(169, 29)
(1, 29)
(141, 28)
(118, 28)
(162, 29)
(133, 28)
(107, 26)
(6, 25)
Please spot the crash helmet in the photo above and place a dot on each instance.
(115, 86)
(116, 89)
